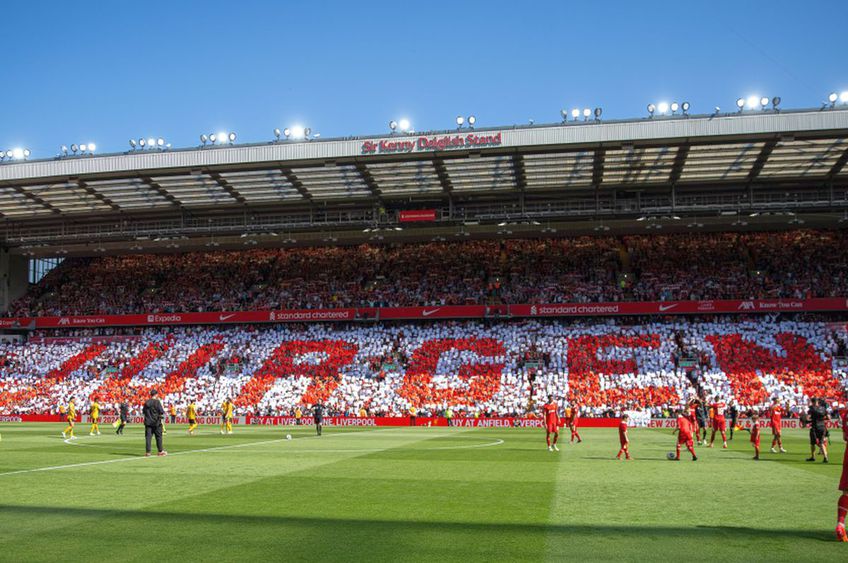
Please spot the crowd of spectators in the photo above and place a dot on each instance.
(800, 264)
(493, 369)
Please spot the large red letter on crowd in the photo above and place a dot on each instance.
(324, 374)
(44, 386)
(484, 379)
(115, 389)
(741, 359)
(585, 369)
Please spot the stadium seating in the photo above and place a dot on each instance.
(797, 264)
(497, 368)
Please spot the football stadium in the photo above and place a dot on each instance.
(584, 338)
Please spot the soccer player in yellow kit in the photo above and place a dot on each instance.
(191, 415)
(94, 412)
(72, 414)
(227, 416)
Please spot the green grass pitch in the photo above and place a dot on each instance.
(408, 494)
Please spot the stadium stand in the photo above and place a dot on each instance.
(798, 264)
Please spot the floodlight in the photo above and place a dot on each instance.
(651, 109)
(740, 103)
(832, 97)
(752, 101)
(575, 113)
(151, 142)
(91, 147)
(764, 102)
(459, 120)
(74, 148)
(674, 107)
(685, 107)
(586, 113)
(775, 102)
(297, 132)
(662, 107)
(393, 125)
(277, 133)
(221, 136)
(232, 137)
(473, 119)
(843, 97)
(287, 132)
(404, 124)
(212, 138)
(132, 143)
(83, 148)
(160, 142)
(27, 152)
(64, 149)
(598, 112)
(564, 114)
(141, 143)
(307, 132)
(18, 153)
(204, 138)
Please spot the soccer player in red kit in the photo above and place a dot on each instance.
(571, 416)
(623, 438)
(551, 424)
(842, 504)
(776, 415)
(719, 423)
(755, 435)
(685, 426)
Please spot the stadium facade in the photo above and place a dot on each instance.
(743, 171)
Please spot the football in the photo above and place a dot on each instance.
(670, 455)
(288, 436)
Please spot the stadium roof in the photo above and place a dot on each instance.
(764, 163)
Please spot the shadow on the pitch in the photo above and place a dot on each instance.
(335, 525)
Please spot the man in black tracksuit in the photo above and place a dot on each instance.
(318, 416)
(817, 416)
(733, 411)
(153, 415)
(124, 414)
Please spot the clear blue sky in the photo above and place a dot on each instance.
(105, 71)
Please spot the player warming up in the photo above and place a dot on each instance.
(191, 415)
(685, 426)
(551, 424)
(227, 417)
(72, 414)
(842, 503)
(94, 412)
(623, 438)
(776, 415)
(719, 423)
(755, 435)
(572, 414)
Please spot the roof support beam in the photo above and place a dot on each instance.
(160, 190)
(838, 166)
(97, 195)
(442, 173)
(679, 163)
(598, 166)
(227, 187)
(763, 157)
(296, 183)
(520, 172)
(36, 199)
(369, 181)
